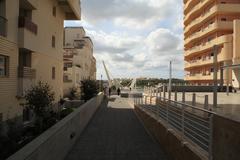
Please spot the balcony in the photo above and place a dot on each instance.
(26, 72)
(26, 23)
(29, 4)
(221, 8)
(3, 26)
(27, 34)
(26, 78)
(201, 77)
(72, 9)
(197, 8)
(219, 25)
(208, 45)
(197, 63)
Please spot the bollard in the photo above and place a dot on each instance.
(175, 97)
(206, 102)
(164, 93)
(193, 100)
(183, 97)
(206, 106)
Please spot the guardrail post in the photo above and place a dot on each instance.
(193, 101)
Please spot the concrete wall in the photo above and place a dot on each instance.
(57, 141)
(226, 139)
(168, 139)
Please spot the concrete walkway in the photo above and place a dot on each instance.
(115, 133)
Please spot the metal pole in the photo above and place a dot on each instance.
(170, 81)
(227, 81)
(183, 97)
(215, 79)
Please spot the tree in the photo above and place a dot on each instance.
(88, 89)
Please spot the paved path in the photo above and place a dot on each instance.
(115, 133)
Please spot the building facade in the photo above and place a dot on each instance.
(31, 48)
(79, 62)
(208, 23)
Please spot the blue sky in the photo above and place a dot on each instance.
(135, 38)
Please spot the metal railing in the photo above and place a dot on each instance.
(26, 72)
(24, 22)
(193, 124)
(3, 26)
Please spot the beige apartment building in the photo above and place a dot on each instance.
(79, 62)
(31, 48)
(208, 23)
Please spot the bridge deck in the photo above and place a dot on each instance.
(115, 133)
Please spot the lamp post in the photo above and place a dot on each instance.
(215, 79)
(101, 88)
(170, 81)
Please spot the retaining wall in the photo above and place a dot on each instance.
(226, 139)
(56, 142)
(168, 139)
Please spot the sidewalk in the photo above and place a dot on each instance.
(115, 133)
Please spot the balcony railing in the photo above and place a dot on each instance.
(26, 72)
(3, 26)
(24, 22)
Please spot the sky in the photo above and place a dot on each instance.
(135, 38)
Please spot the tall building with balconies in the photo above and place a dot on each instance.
(208, 23)
(79, 62)
(31, 48)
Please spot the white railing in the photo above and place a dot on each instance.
(193, 124)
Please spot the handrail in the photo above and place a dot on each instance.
(194, 124)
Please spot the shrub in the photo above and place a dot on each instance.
(89, 89)
(65, 112)
(40, 98)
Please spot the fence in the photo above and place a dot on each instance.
(193, 124)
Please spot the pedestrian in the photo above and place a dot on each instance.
(109, 91)
(130, 89)
(118, 91)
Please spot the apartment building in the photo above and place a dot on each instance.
(79, 62)
(31, 48)
(208, 23)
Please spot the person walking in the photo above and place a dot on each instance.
(109, 91)
(118, 91)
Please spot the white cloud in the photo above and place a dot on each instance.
(135, 37)
(135, 14)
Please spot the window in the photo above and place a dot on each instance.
(54, 11)
(4, 65)
(53, 73)
(53, 41)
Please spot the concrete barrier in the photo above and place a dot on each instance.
(169, 140)
(226, 139)
(56, 142)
